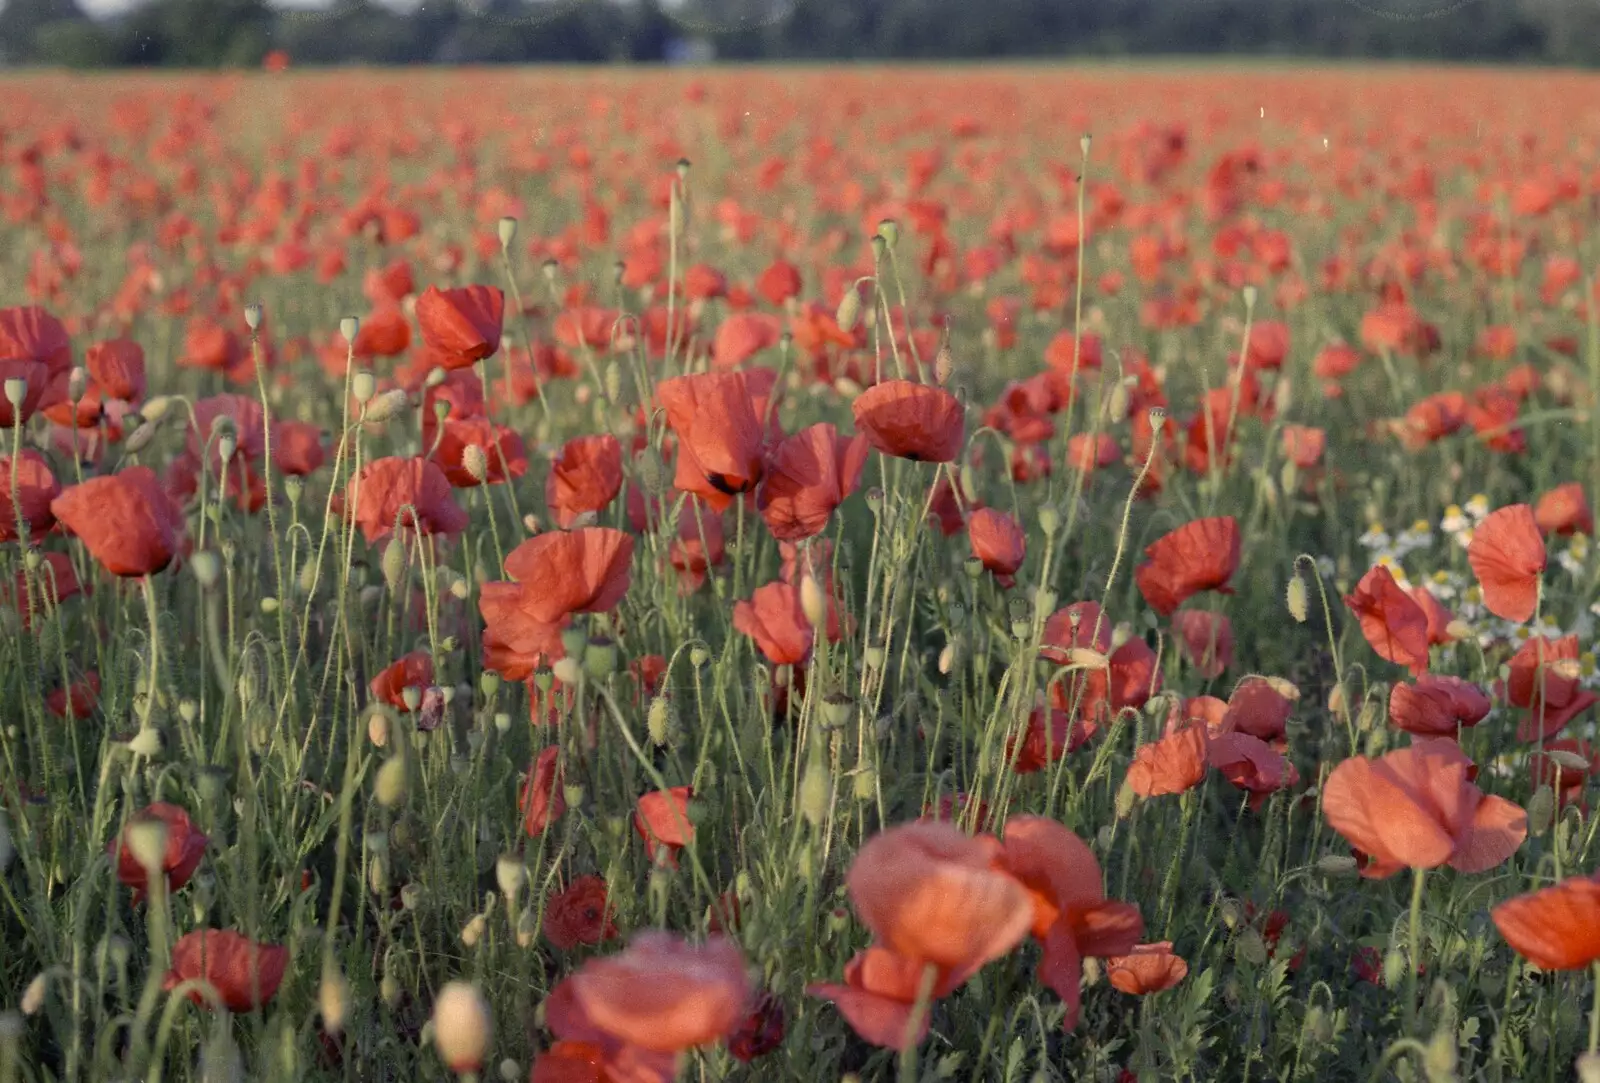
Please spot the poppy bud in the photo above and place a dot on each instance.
(475, 462)
(865, 783)
(511, 875)
(1296, 597)
(33, 995)
(1541, 809)
(658, 721)
(567, 671)
(386, 406)
(206, 567)
(333, 997)
(1336, 865)
(390, 785)
(146, 840)
(652, 472)
(147, 743)
(1117, 403)
(473, 930)
(1249, 294)
(889, 230)
(815, 787)
(510, 1071)
(1083, 144)
(1250, 948)
(1125, 799)
(462, 1026)
(947, 658)
(1440, 1062)
(77, 384)
(849, 310)
(363, 386)
(349, 327)
(812, 602)
(508, 231)
(1394, 967)
(156, 409)
(1589, 1068)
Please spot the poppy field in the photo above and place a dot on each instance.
(901, 574)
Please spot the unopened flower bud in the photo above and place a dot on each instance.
(462, 1027)
(333, 998)
(475, 462)
(1297, 598)
(507, 230)
(349, 327)
(363, 385)
(387, 406)
(849, 310)
(815, 791)
(511, 875)
(812, 601)
(33, 995)
(390, 785)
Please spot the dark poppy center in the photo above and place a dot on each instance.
(726, 485)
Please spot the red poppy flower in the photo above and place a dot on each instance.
(244, 974)
(186, 845)
(1250, 764)
(1393, 623)
(580, 914)
(297, 447)
(1050, 734)
(998, 542)
(1507, 555)
(699, 546)
(504, 458)
(586, 476)
(413, 494)
(542, 800)
(1149, 968)
(661, 817)
(126, 521)
(808, 475)
(1303, 445)
(741, 336)
(564, 572)
(461, 326)
(36, 489)
(1564, 510)
(116, 368)
(1200, 555)
(1544, 682)
(1555, 928)
(779, 282)
(1072, 918)
(384, 332)
(1436, 706)
(1206, 639)
(1437, 615)
(761, 1032)
(1257, 708)
(1416, 808)
(76, 700)
(718, 419)
(774, 618)
(1173, 764)
(911, 421)
(415, 670)
(55, 581)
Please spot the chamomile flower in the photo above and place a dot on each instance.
(1575, 555)
(1478, 507)
(1418, 536)
(1375, 538)
(1454, 521)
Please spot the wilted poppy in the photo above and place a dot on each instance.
(1507, 555)
(1435, 706)
(1555, 928)
(244, 974)
(808, 475)
(126, 521)
(1149, 968)
(1200, 555)
(1392, 622)
(542, 801)
(412, 494)
(186, 845)
(1543, 680)
(1415, 808)
(461, 326)
(661, 817)
(579, 914)
(586, 476)
(911, 421)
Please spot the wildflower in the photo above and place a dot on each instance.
(718, 419)
(1507, 555)
(580, 914)
(998, 542)
(126, 521)
(243, 973)
(586, 476)
(1416, 808)
(911, 421)
(415, 493)
(460, 327)
(808, 475)
(661, 817)
(542, 800)
(1544, 681)
(1393, 623)
(185, 847)
(1436, 706)
(1198, 556)
(1149, 968)
(1555, 928)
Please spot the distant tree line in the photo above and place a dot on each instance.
(215, 33)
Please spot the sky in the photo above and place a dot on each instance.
(100, 8)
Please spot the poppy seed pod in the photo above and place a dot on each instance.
(507, 230)
(16, 390)
(462, 1027)
(363, 386)
(349, 327)
(252, 316)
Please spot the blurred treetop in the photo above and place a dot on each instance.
(205, 33)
